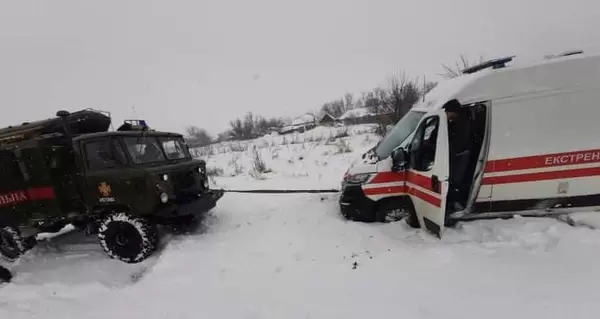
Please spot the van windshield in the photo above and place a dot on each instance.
(398, 134)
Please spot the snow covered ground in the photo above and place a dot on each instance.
(293, 256)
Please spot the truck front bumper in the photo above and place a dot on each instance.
(188, 205)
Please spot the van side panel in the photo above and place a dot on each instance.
(545, 151)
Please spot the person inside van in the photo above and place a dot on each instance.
(459, 131)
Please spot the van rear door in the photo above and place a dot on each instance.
(428, 173)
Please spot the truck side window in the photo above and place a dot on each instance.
(118, 151)
(423, 145)
(98, 155)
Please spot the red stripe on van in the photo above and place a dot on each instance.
(542, 176)
(388, 177)
(385, 190)
(435, 201)
(546, 160)
(420, 180)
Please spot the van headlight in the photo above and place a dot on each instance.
(358, 178)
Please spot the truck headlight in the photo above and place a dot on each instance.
(358, 178)
(164, 198)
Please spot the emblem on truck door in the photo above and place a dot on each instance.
(104, 189)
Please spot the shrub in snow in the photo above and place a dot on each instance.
(343, 147)
(258, 165)
(238, 147)
(234, 163)
(214, 171)
(342, 133)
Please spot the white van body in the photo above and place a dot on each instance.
(539, 149)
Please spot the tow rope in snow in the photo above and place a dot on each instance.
(281, 191)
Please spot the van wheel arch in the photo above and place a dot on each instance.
(387, 205)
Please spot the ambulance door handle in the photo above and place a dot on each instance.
(435, 183)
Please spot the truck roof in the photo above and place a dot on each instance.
(520, 78)
(80, 122)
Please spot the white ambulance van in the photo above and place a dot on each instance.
(502, 139)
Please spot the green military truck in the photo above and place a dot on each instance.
(119, 184)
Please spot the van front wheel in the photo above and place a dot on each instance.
(128, 238)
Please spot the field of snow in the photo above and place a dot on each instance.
(316, 159)
(294, 256)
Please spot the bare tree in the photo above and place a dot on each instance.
(237, 129)
(349, 101)
(335, 108)
(198, 137)
(403, 93)
(456, 70)
(428, 86)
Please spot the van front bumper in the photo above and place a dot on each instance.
(354, 205)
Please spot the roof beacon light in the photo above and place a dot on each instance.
(494, 64)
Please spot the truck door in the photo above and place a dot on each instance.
(428, 172)
(104, 162)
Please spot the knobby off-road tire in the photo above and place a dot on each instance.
(12, 245)
(5, 275)
(127, 238)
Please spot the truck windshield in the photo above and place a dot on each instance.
(146, 149)
(174, 147)
(398, 134)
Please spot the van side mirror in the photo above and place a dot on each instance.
(399, 160)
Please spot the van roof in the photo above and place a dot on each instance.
(520, 78)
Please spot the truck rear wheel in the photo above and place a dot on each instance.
(12, 245)
(128, 238)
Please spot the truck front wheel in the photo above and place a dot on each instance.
(12, 245)
(128, 238)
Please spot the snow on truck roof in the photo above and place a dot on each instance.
(517, 79)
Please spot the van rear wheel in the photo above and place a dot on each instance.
(12, 245)
(127, 238)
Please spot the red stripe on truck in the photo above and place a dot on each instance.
(41, 193)
(539, 161)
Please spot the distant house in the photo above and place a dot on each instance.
(300, 124)
(364, 115)
(327, 120)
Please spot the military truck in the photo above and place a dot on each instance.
(117, 184)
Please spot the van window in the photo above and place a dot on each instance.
(423, 145)
(398, 134)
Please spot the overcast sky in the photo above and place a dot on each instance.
(204, 62)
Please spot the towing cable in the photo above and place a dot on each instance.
(280, 191)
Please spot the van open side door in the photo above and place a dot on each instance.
(428, 172)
